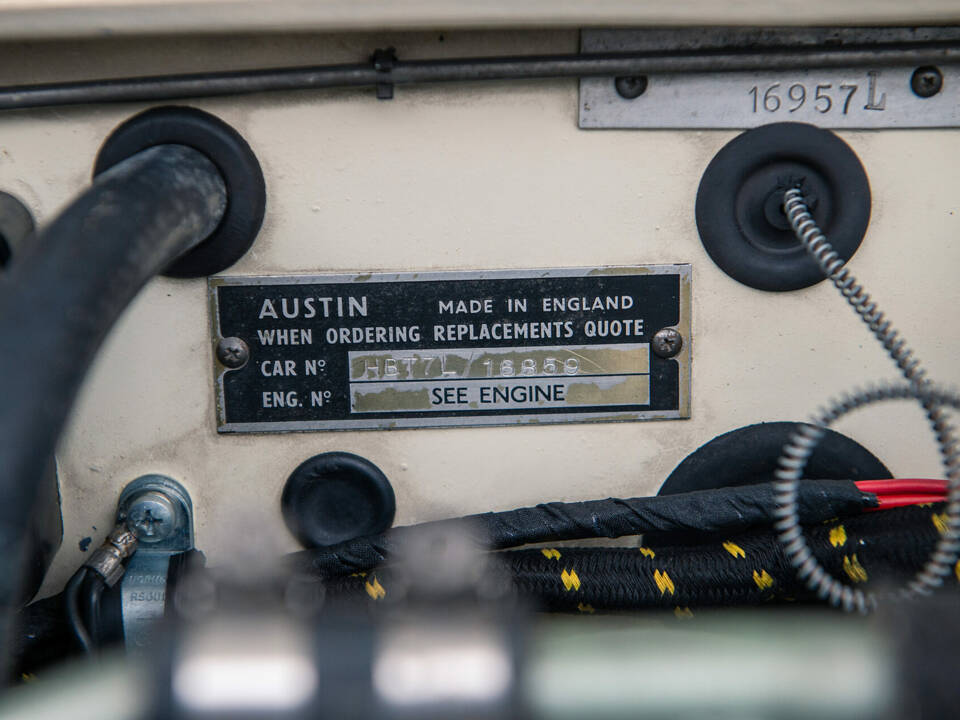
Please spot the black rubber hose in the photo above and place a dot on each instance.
(61, 297)
(706, 511)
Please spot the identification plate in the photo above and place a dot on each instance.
(843, 97)
(344, 352)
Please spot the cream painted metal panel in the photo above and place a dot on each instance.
(469, 177)
(91, 18)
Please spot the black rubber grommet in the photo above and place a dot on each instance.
(749, 455)
(246, 191)
(739, 202)
(337, 496)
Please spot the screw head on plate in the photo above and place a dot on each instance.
(233, 352)
(152, 517)
(667, 343)
(630, 87)
(926, 81)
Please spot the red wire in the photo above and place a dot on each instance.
(903, 486)
(885, 502)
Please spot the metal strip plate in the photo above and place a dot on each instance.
(339, 352)
(862, 97)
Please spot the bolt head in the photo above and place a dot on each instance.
(667, 343)
(630, 87)
(152, 517)
(233, 352)
(926, 81)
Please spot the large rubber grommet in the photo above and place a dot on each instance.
(246, 192)
(749, 455)
(740, 203)
(337, 496)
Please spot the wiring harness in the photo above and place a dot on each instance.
(737, 569)
(724, 510)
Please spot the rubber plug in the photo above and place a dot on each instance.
(749, 455)
(337, 496)
(739, 208)
(246, 191)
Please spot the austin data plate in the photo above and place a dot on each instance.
(343, 352)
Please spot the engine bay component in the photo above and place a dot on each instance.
(159, 511)
(79, 274)
(235, 162)
(740, 213)
(851, 78)
(450, 349)
(335, 497)
(421, 433)
(749, 455)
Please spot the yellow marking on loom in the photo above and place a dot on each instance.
(956, 570)
(570, 580)
(358, 574)
(551, 554)
(663, 581)
(586, 608)
(838, 536)
(940, 522)
(375, 589)
(762, 579)
(647, 552)
(853, 569)
(734, 549)
(683, 613)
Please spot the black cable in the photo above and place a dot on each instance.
(467, 69)
(63, 294)
(747, 568)
(74, 613)
(706, 511)
(91, 592)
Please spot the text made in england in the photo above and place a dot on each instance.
(476, 306)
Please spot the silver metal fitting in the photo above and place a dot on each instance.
(158, 511)
(107, 560)
(152, 516)
(667, 343)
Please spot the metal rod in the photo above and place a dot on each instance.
(467, 69)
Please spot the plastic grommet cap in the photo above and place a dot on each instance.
(739, 203)
(337, 496)
(246, 190)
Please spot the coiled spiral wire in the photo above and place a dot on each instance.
(797, 452)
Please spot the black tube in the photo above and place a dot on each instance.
(63, 295)
(702, 511)
(468, 69)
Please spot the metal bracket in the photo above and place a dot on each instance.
(158, 510)
(383, 62)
